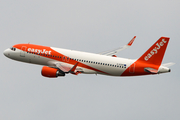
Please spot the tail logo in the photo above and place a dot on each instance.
(155, 50)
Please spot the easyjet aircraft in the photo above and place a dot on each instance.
(58, 62)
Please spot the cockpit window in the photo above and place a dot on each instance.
(12, 48)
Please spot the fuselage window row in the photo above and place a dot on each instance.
(80, 60)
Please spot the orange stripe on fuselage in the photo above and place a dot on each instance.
(138, 69)
(52, 54)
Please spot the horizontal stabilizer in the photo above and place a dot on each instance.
(168, 64)
(151, 70)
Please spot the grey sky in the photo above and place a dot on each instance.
(92, 26)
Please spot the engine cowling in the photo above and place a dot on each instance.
(51, 72)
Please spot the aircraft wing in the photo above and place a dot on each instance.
(115, 51)
(64, 67)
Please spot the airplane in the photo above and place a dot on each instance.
(59, 62)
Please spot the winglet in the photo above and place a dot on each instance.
(131, 42)
(73, 68)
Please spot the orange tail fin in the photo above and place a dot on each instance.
(150, 61)
(154, 55)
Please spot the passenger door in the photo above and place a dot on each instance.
(23, 50)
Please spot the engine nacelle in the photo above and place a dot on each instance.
(51, 72)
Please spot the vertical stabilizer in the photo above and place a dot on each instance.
(154, 55)
(150, 61)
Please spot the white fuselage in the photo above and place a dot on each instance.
(114, 66)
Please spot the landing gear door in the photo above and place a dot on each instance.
(23, 50)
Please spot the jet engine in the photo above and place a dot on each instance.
(51, 72)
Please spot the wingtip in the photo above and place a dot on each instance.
(132, 40)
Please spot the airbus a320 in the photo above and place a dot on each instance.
(59, 62)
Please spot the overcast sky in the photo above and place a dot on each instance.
(91, 26)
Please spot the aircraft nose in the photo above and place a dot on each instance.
(6, 53)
